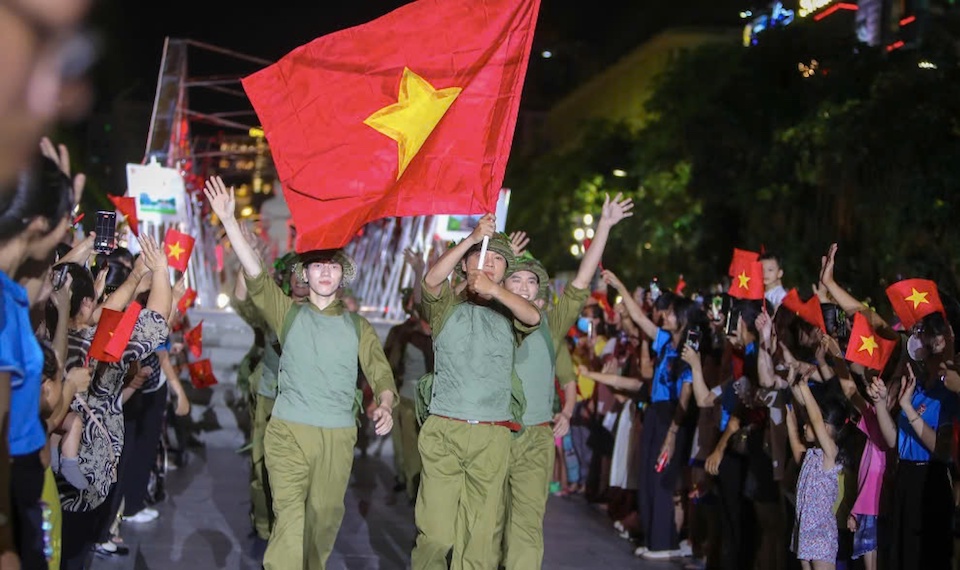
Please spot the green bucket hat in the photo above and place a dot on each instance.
(326, 255)
(500, 243)
(527, 262)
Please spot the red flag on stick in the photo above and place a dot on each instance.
(178, 247)
(201, 374)
(127, 206)
(913, 299)
(741, 258)
(187, 301)
(809, 310)
(409, 114)
(194, 340)
(866, 347)
(747, 281)
(113, 333)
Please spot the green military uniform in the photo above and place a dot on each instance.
(532, 454)
(410, 353)
(464, 452)
(260, 510)
(310, 437)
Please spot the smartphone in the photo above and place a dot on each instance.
(59, 276)
(733, 320)
(693, 339)
(106, 240)
(716, 308)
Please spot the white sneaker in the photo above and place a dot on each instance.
(618, 526)
(144, 516)
(661, 554)
(640, 551)
(686, 549)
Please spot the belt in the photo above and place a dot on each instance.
(512, 426)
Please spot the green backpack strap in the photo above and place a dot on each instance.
(288, 322)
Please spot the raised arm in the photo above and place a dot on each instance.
(161, 293)
(633, 309)
(827, 443)
(797, 447)
(224, 203)
(441, 270)
(613, 211)
(704, 397)
(877, 392)
(613, 380)
(415, 260)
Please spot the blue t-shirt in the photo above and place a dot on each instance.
(666, 386)
(729, 400)
(20, 355)
(937, 407)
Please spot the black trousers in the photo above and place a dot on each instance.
(26, 484)
(143, 424)
(81, 531)
(922, 517)
(734, 511)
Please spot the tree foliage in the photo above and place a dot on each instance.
(748, 151)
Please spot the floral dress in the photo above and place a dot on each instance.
(102, 438)
(815, 531)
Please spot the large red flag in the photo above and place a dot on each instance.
(809, 310)
(913, 299)
(866, 347)
(194, 340)
(178, 247)
(412, 113)
(741, 257)
(114, 330)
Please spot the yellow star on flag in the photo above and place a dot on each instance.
(917, 297)
(744, 280)
(869, 344)
(413, 117)
(175, 251)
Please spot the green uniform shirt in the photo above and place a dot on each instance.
(318, 367)
(474, 349)
(536, 358)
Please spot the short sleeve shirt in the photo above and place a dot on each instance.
(938, 407)
(21, 356)
(667, 382)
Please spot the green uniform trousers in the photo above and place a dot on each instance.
(309, 470)
(461, 488)
(260, 497)
(407, 430)
(520, 528)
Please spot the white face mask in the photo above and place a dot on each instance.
(915, 348)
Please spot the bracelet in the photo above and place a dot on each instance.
(917, 417)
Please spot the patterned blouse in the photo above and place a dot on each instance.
(99, 451)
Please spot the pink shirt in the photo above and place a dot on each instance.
(872, 464)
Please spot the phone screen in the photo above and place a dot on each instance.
(106, 229)
(693, 339)
(733, 320)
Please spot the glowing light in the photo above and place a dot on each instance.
(927, 65)
(255, 133)
(908, 20)
(579, 234)
(833, 9)
(546, 54)
(223, 300)
(895, 45)
(648, 246)
(589, 233)
(745, 14)
(574, 250)
(619, 173)
(587, 219)
(808, 7)
(618, 300)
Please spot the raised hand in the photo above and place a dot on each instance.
(877, 392)
(61, 297)
(153, 256)
(907, 387)
(615, 210)
(691, 357)
(60, 155)
(764, 326)
(827, 263)
(611, 279)
(414, 258)
(519, 242)
(222, 200)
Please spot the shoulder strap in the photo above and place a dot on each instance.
(357, 323)
(545, 331)
(288, 322)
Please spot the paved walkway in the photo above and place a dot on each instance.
(204, 522)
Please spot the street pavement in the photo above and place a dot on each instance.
(204, 521)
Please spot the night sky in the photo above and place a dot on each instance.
(584, 35)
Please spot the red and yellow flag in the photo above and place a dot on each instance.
(113, 333)
(866, 347)
(412, 113)
(127, 206)
(178, 247)
(913, 299)
(741, 257)
(193, 338)
(809, 310)
(187, 301)
(747, 282)
(201, 374)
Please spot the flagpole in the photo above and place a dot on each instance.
(483, 251)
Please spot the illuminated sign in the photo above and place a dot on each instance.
(808, 7)
(777, 18)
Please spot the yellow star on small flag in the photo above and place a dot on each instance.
(869, 344)
(413, 117)
(175, 251)
(744, 280)
(917, 297)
